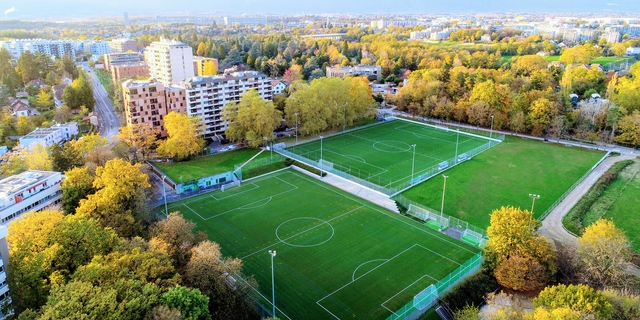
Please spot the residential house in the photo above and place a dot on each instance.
(57, 94)
(36, 83)
(278, 86)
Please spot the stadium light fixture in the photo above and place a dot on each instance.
(442, 206)
(164, 194)
(533, 202)
(273, 284)
(413, 162)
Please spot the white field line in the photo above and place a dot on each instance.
(235, 194)
(301, 232)
(249, 204)
(393, 216)
(407, 287)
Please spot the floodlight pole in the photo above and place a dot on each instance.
(413, 163)
(344, 122)
(296, 128)
(491, 130)
(273, 284)
(320, 163)
(457, 140)
(164, 194)
(533, 202)
(442, 206)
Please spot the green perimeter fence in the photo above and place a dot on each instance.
(255, 166)
(430, 295)
(456, 228)
(379, 184)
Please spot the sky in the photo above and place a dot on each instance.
(47, 9)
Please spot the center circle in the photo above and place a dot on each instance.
(391, 146)
(293, 231)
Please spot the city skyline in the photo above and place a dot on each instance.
(40, 9)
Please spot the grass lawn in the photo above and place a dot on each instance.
(619, 203)
(506, 175)
(383, 154)
(337, 256)
(607, 60)
(104, 77)
(552, 58)
(206, 166)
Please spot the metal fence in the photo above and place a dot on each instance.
(412, 310)
(244, 172)
(454, 223)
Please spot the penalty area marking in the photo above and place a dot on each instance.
(353, 276)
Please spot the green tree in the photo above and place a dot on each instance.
(65, 157)
(191, 303)
(176, 236)
(27, 67)
(253, 119)
(79, 93)
(23, 126)
(77, 185)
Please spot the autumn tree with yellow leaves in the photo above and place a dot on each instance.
(185, 136)
(518, 256)
(253, 119)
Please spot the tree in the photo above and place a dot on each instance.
(540, 116)
(37, 157)
(184, 138)
(176, 237)
(292, 74)
(556, 127)
(629, 129)
(201, 49)
(577, 55)
(23, 126)
(65, 157)
(140, 139)
(77, 185)
(210, 68)
(45, 98)
(526, 65)
(522, 273)
(605, 253)
(252, 120)
(27, 67)
(94, 147)
(579, 298)
(209, 272)
(513, 239)
(79, 93)
(191, 303)
(517, 122)
(119, 186)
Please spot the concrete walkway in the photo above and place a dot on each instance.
(552, 227)
(355, 189)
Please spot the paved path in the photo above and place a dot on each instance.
(355, 189)
(552, 225)
(109, 122)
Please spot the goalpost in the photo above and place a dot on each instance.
(430, 218)
(418, 212)
(426, 299)
(472, 237)
(325, 165)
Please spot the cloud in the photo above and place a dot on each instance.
(12, 9)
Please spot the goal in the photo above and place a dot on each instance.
(418, 212)
(472, 237)
(279, 146)
(325, 165)
(426, 299)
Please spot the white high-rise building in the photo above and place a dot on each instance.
(170, 61)
(28, 191)
(206, 96)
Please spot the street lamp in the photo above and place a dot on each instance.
(273, 284)
(164, 194)
(533, 202)
(266, 144)
(442, 207)
(320, 162)
(413, 162)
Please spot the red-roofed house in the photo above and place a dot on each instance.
(36, 83)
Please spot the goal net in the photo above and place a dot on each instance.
(442, 128)
(426, 299)
(418, 212)
(325, 165)
(279, 146)
(472, 237)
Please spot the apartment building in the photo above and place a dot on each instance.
(94, 47)
(176, 98)
(342, 71)
(4, 261)
(123, 45)
(49, 136)
(612, 37)
(383, 24)
(130, 69)
(206, 96)
(170, 61)
(28, 191)
(203, 66)
(120, 58)
(144, 103)
(56, 48)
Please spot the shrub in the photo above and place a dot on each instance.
(471, 291)
(290, 162)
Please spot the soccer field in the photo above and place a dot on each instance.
(505, 176)
(383, 154)
(337, 255)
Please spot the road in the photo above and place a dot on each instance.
(107, 117)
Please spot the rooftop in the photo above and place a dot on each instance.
(23, 180)
(141, 83)
(216, 79)
(130, 64)
(40, 133)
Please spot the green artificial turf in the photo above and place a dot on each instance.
(505, 176)
(383, 154)
(336, 254)
(206, 166)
